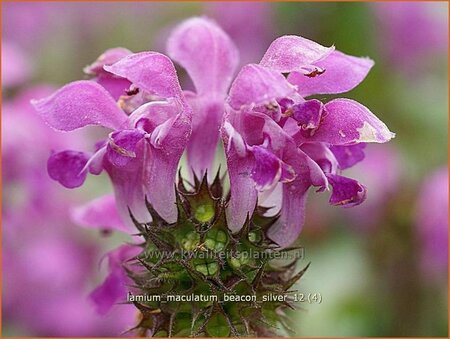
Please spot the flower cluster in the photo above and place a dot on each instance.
(278, 141)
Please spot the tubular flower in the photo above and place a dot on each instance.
(276, 140)
(273, 134)
(150, 124)
(300, 142)
(210, 58)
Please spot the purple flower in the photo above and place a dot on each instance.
(116, 284)
(432, 223)
(150, 125)
(210, 58)
(268, 120)
(314, 140)
(273, 134)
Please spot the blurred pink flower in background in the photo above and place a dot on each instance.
(48, 264)
(432, 223)
(381, 170)
(410, 32)
(249, 25)
(16, 67)
(26, 23)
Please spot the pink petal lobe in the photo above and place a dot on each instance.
(206, 52)
(100, 213)
(290, 52)
(341, 74)
(150, 71)
(79, 104)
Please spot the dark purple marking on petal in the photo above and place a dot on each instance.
(346, 192)
(308, 115)
(285, 104)
(267, 169)
(122, 146)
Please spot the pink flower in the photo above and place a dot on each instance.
(16, 68)
(150, 126)
(314, 140)
(273, 134)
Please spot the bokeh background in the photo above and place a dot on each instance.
(381, 268)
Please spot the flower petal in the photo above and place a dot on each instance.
(100, 213)
(348, 156)
(347, 122)
(129, 186)
(16, 68)
(117, 87)
(109, 292)
(341, 74)
(162, 167)
(257, 85)
(206, 120)
(109, 57)
(161, 132)
(290, 52)
(308, 115)
(79, 104)
(233, 139)
(114, 288)
(95, 162)
(243, 193)
(150, 71)
(206, 52)
(292, 214)
(67, 168)
(267, 169)
(346, 192)
(321, 154)
(122, 146)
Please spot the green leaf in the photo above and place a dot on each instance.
(217, 326)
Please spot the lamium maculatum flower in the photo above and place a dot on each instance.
(315, 140)
(270, 127)
(278, 142)
(272, 133)
(150, 124)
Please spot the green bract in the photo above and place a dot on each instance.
(210, 282)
